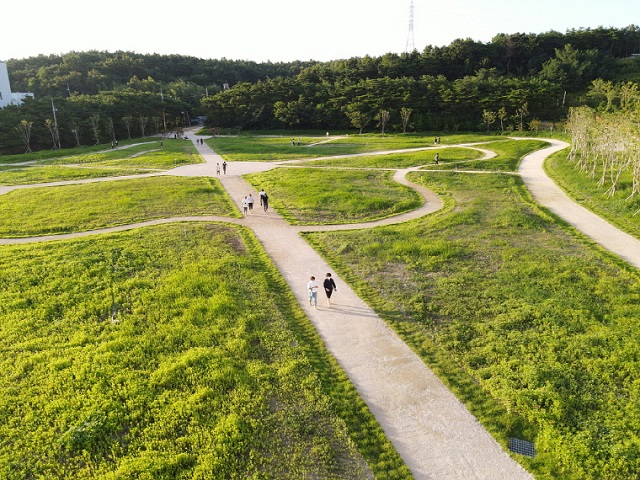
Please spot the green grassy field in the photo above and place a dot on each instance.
(170, 352)
(52, 173)
(76, 208)
(128, 160)
(270, 148)
(44, 155)
(529, 323)
(310, 196)
(509, 154)
(401, 160)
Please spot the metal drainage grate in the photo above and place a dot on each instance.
(522, 447)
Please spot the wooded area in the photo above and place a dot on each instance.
(515, 82)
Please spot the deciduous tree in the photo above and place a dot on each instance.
(24, 129)
(383, 118)
(94, 122)
(405, 114)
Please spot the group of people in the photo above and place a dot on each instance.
(329, 286)
(247, 202)
(199, 141)
(224, 168)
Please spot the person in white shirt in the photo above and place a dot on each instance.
(245, 205)
(312, 288)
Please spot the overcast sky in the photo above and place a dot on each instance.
(286, 30)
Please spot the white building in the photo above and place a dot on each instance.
(6, 96)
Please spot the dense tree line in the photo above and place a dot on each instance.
(92, 72)
(509, 54)
(516, 81)
(513, 82)
(436, 103)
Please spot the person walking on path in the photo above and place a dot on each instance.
(312, 289)
(261, 195)
(245, 205)
(265, 201)
(218, 169)
(250, 202)
(437, 159)
(224, 168)
(329, 287)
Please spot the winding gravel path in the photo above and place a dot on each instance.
(433, 432)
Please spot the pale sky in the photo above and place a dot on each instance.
(287, 30)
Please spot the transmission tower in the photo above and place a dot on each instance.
(411, 46)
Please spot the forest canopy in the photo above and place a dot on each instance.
(514, 82)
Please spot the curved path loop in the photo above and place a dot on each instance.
(433, 432)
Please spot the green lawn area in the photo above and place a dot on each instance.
(401, 160)
(136, 159)
(509, 154)
(44, 155)
(270, 148)
(170, 352)
(52, 173)
(148, 155)
(212, 371)
(330, 196)
(76, 208)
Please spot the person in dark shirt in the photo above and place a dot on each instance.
(329, 287)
